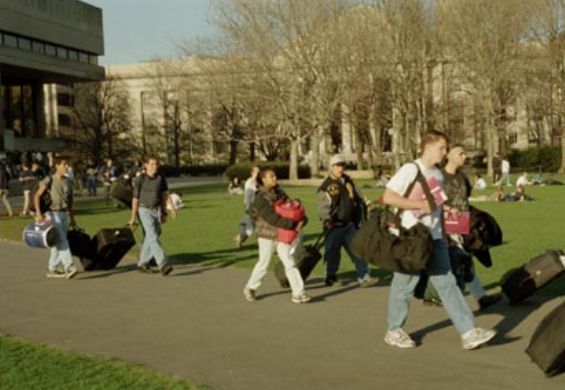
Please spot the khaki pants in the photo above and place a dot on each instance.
(4, 193)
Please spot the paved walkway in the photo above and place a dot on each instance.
(196, 324)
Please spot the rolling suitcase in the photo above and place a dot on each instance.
(81, 246)
(111, 246)
(547, 346)
(306, 258)
(533, 275)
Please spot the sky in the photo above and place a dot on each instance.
(141, 30)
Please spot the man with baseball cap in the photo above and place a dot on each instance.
(341, 208)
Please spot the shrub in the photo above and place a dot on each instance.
(194, 170)
(241, 170)
(546, 158)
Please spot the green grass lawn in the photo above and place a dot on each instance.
(32, 366)
(202, 234)
(203, 231)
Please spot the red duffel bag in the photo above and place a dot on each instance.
(291, 209)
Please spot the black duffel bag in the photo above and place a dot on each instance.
(390, 246)
(384, 242)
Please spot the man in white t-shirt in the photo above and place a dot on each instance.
(434, 149)
(523, 180)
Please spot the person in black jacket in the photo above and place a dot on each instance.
(267, 224)
(341, 208)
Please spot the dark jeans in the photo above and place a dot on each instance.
(337, 238)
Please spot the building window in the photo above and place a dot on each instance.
(50, 50)
(64, 120)
(73, 55)
(62, 52)
(24, 43)
(38, 47)
(512, 138)
(64, 99)
(83, 57)
(10, 40)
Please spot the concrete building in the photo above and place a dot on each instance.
(43, 43)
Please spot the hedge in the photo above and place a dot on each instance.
(544, 158)
(241, 170)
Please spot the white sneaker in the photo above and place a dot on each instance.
(303, 298)
(249, 294)
(55, 274)
(477, 337)
(368, 282)
(71, 273)
(399, 338)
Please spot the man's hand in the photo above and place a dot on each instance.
(132, 222)
(425, 207)
(328, 224)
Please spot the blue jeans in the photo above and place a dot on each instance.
(335, 239)
(61, 252)
(402, 289)
(150, 245)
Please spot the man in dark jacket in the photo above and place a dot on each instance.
(341, 209)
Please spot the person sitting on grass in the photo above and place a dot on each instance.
(480, 183)
(234, 187)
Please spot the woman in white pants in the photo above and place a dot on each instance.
(267, 224)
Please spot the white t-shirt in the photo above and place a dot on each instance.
(399, 183)
(481, 184)
(522, 181)
(505, 166)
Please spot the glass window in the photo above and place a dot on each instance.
(24, 43)
(38, 47)
(93, 60)
(64, 120)
(73, 55)
(64, 99)
(62, 52)
(10, 40)
(50, 50)
(83, 57)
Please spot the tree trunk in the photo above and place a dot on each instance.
(562, 167)
(315, 153)
(293, 167)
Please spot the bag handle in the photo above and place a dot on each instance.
(318, 243)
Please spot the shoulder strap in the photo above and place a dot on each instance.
(422, 180)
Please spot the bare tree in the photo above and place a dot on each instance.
(102, 116)
(168, 87)
(549, 30)
(482, 38)
(284, 46)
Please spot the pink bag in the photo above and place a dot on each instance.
(461, 225)
(291, 209)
